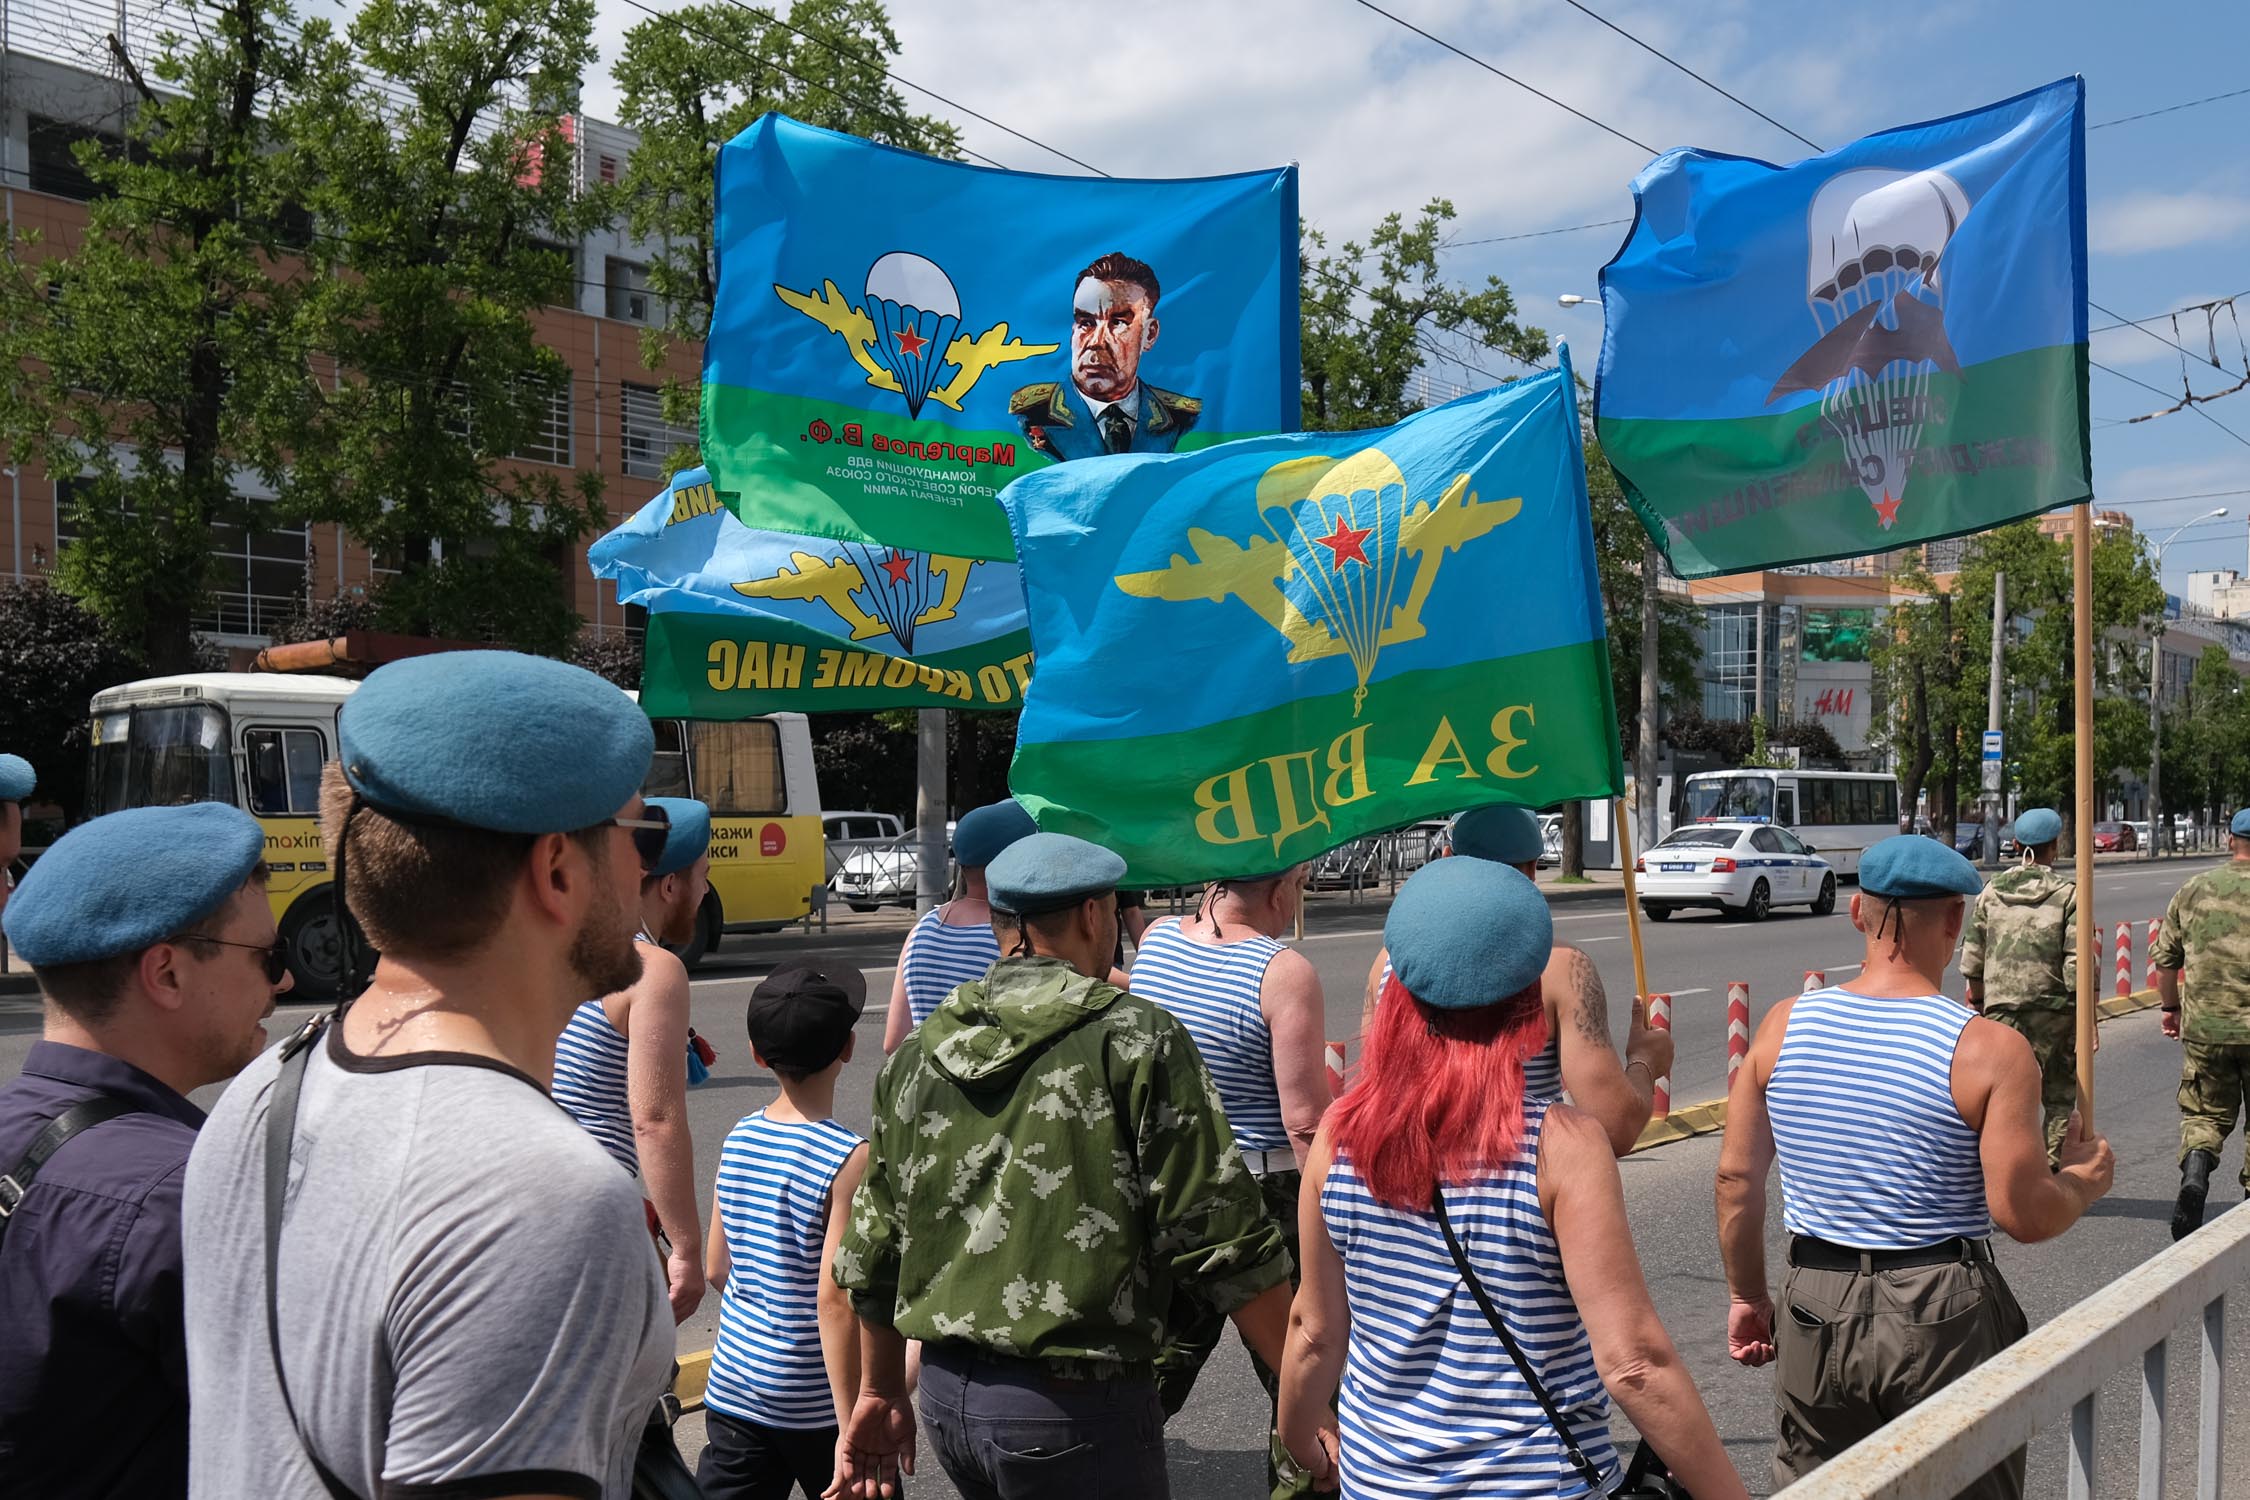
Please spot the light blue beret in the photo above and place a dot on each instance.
(690, 835)
(2041, 825)
(1503, 834)
(982, 832)
(121, 882)
(1049, 871)
(1909, 867)
(1468, 932)
(494, 740)
(2240, 827)
(16, 778)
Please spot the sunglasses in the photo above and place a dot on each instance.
(650, 833)
(277, 954)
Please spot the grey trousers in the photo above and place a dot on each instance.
(1007, 1429)
(1854, 1350)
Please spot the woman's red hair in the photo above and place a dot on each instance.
(1439, 1093)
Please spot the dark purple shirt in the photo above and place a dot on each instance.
(93, 1366)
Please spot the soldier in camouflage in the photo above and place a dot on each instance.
(1049, 1164)
(2019, 955)
(2206, 930)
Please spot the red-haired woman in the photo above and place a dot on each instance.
(1437, 1146)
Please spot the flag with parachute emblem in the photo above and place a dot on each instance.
(1871, 348)
(896, 337)
(1253, 654)
(746, 622)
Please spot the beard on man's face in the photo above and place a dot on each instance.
(603, 954)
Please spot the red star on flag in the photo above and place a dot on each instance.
(1886, 510)
(898, 565)
(910, 343)
(1344, 544)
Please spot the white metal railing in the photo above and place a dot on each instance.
(1941, 1446)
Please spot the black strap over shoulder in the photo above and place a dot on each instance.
(1578, 1459)
(81, 1116)
(281, 1132)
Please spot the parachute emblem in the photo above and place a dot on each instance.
(1877, 241)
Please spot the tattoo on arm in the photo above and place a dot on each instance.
(1593, 1000)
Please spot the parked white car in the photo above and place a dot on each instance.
(886, 873)
(1743, 869)
(847, 833)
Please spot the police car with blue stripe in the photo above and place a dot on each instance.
(1744, 869)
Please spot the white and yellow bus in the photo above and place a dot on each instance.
(258, 740)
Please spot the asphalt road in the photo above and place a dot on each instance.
(1218, 1442)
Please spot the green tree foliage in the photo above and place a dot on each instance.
(1370, 314)
(1620, 552)
(2207, 742)
(691, 80)
(163, 328)
(1931, 666)
(55, 654)
(448, 217)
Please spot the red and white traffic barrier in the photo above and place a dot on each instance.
(1660, 1019)
(2153, 924)
(2124, 958)
(1814, 980)
(1335, 1060)
(1738, 1029)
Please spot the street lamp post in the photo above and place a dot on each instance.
(2156, 695)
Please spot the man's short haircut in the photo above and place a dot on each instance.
(422, 890)
(90, 993)
(1118, 266)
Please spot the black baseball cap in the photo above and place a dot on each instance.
(800, 1015)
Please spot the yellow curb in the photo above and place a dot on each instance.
(1680, 1125)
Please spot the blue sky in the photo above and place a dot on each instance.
(1379, 119)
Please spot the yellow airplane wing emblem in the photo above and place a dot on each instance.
(972, 358)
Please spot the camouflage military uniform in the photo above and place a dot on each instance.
(2206, 930)
(1049, 1162)
(2022, 943)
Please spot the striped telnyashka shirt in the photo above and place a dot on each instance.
(1212, 989)
(590, 1082)
(1432, 1404)
(773, 1206)
(937, 957)
(1874, 1153)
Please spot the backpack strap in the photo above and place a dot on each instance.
(80, 1117)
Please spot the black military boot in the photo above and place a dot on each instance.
(2195, 1186)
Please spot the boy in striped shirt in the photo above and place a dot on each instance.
(786, 1368)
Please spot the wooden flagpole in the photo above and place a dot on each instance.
(1632, 910)
(2082, 599)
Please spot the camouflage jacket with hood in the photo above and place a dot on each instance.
(2022, 940)
(1049, 1162)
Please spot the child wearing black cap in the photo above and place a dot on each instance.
(786, 1368)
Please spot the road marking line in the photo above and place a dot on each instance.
(1614, 937)
(1701, 989)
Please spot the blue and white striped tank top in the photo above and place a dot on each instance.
(1874, 1154)
(937, 957)
(1212, 989)
(590, 1082)
(1432, 1404)
(773, 1201)
(1542, 1071)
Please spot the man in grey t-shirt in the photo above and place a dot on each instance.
(468, 1300)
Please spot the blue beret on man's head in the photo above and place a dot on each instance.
(130, 879)
(1909, 867)
(493, 740)
(1503, 834)
(982, 832)
(16, 778)
(1464, 933)
(2041, 825)
(2240, 827)
(1049, 872)
(689, 838)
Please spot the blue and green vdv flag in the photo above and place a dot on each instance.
(1871, 348)
(896, 337)
(1253, 654)
(747, 622)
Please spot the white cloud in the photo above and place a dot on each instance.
(2139, 222)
